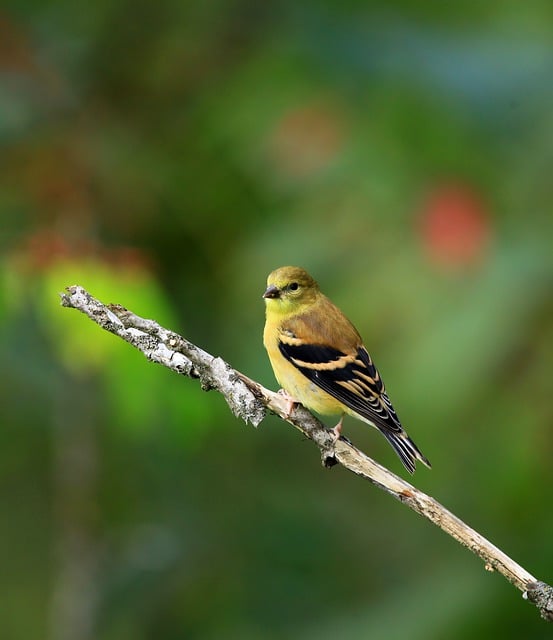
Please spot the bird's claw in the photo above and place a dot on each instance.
(337, 430)
(290, 403)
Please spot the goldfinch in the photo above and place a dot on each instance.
(319, 360)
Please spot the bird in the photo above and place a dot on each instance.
(320, 361)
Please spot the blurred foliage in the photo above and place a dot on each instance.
(168, 156)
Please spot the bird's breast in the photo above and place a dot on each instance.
(292, 380)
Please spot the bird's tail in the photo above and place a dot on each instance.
(406, 449)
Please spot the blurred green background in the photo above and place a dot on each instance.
(168, 156)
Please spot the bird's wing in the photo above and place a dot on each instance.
(351, 378)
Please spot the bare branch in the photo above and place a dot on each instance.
(250, 401)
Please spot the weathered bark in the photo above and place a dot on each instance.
(250, 401)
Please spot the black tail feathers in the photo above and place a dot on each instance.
(406, 449)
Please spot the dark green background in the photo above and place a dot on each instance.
(168, 156)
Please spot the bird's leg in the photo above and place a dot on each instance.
(337, 430)
(290, 402)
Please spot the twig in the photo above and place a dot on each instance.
(250, 401)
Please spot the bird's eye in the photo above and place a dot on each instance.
(294, 286)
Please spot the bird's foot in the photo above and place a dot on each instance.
(337, 430)
(291, 402)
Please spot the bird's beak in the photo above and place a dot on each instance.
(272, 292)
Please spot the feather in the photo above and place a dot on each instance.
(319, 358)
(352, 380)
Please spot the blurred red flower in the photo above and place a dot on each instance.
(306, 140)
(455, 226)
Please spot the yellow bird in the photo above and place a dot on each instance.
(319, 360)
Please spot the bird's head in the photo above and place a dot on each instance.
(290, 289)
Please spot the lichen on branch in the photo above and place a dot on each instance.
(250, 401)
